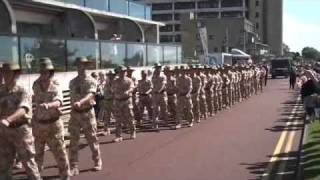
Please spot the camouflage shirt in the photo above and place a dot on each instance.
(122, 88)
(80, 87)
(13, 99)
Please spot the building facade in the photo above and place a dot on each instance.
(266, 16)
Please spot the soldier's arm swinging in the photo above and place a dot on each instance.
(87, 99)
(18, 115)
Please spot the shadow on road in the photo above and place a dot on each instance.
(283, 165)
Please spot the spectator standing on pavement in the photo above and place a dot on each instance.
(293, 78)
(15, 130)
(47, 126)
(82, 93)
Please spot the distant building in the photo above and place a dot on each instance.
(265, 16)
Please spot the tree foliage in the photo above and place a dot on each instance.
(310, 53)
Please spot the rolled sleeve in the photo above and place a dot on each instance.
(92, 87)
(26, 101)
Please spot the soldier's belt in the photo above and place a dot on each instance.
(182, 95)
(48, 121)
(143, 94)
(122, 99)
(17, 124)
(83, 110)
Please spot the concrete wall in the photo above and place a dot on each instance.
(274, 25)
(5, 19)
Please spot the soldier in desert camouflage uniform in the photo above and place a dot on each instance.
(136, 111)
(82, 93)
(184, 103)
(47, 126)
(122, 88)
(107, 103)
(15, 130)
(196, 88)
(159, 95)
(171, 92)
(202, 95)
(214, 89)
(219, 89)
(145, 99)
(208, 90)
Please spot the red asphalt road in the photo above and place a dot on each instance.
(229, 146)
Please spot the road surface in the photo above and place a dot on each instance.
(255, 139)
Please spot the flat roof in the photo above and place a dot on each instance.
(96, 11)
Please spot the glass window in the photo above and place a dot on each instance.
(162, 17)
(77, 2)
(176, 16)
(177, 38)
(37, 48)
(136, 10)
(231, 3)
(9, 49)
(136, 55)
(177, 27)
(148, 12)
(119, 6)
(98, 4)
(162, 6)
(77, 48)
(112, 54)
(257, 15)
(166, 38)
(179, 49)
(170, 55)
(184, 5)
(232, 14)
(208, 4)
(155, 54)
(257, 3)
(167, 28)
(208, 14)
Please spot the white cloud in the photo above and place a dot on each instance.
(299, 34)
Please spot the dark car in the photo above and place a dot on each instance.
(280, 67)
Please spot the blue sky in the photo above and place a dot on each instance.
(301, 24)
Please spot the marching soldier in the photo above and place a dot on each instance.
(225, 89)
(145, 100)
(47, 127)
(134, 93)
(202, 95)
(122, 88)
(196, 88)
(15, 130)
(107, 103)
(171, 91)
(159, 96)
(208, 90)
(214, 89)
(82, 93)
(184, 103)
(219, 89)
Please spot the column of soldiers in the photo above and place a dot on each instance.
(169, 97)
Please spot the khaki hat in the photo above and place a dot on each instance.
(82, 59)
(167, 68)
(46, 63)
(111, 72)
(129, 68)
(157, 65)
(11, 66)
(121, 68)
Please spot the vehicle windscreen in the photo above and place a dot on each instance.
(280, 64)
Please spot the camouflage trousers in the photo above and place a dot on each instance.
(196, 106)
(203, 105)
(215, 101)
(220, 99)
(86, 122)
(159, 104)
(231, 95)
(136, 110)
(52, 135)
(209, 99)
(145, 102)
(106, 113)
(123, 115)
(226, 97)
(184, 109)
(17, 140)
(172, 105)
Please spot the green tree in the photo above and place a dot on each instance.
(310, 53)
